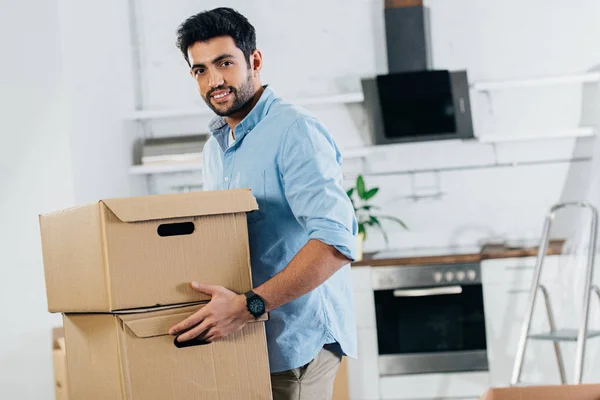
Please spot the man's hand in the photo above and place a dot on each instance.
(225, 313)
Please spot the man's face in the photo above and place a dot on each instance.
(225, 80)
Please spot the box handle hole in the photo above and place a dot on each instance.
(190, 343)
(176, 229)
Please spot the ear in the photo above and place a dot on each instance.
(256, 62)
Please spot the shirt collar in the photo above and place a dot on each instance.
(219, 128)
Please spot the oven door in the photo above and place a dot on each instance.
(435, 328)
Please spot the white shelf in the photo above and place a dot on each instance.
(186, 167)
(347, 98)
(571, 133)
(163, 169)
(357, 152)
(541, 81)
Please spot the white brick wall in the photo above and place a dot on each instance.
(324, 47)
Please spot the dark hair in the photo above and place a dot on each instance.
(222, 21)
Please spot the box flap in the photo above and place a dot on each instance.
(158, 323)
(157, 308)
(181, 205)
(155, 325)
(58, 338)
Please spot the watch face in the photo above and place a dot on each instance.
(256, 306)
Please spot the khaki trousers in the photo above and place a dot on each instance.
(314, 381)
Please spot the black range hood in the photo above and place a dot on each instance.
(413, 103)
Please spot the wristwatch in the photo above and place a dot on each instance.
(255, 304)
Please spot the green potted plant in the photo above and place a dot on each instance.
(365, 215)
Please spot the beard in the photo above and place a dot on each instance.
(242, 96)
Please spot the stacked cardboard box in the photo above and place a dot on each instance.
(59, 359)
(120, 271)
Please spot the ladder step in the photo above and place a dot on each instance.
(562, 335)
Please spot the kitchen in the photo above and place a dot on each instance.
(532, 77)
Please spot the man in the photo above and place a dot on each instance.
(302, 238)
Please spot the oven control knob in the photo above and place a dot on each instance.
(460, 276)
(449, 276)
(471, 275)
(437, 276)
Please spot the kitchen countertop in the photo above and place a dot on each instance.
(452, 256)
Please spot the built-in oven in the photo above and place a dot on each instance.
(430, 319)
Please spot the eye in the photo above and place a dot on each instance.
(226, 63)
(198, 71)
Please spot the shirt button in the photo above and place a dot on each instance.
(226, 179)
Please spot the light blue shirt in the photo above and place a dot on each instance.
(291, 163)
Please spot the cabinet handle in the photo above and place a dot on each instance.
(517, 291)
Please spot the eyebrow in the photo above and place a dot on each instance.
(215, 61)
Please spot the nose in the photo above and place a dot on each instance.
(215, 79)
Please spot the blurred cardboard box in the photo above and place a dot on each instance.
(130, 356)
(340, 385)
(59, 357)
(562, 392)
(139, 252)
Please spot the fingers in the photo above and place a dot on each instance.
(189, 322)
(212, 335)
(218, 332)
(209, 290)
(197, 331)
(191, 334)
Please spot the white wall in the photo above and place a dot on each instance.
(324, 47)
(35, 176)
(97, 66)
(65, 82)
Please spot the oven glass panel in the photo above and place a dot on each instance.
(430, 324)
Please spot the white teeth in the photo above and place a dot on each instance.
(221, 95)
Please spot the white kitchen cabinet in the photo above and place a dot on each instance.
(461, 385)
(361, 279)
(363, 373)
(364, 301)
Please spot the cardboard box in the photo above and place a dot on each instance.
(562, 392)
(144, 251)
(131, 357)
(340, 384)
(59, 357)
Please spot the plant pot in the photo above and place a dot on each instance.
(360, 238)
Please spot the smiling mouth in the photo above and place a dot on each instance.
(221, 96)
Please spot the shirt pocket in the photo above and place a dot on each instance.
(258, 187)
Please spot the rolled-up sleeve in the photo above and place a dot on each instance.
(310, 167)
